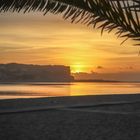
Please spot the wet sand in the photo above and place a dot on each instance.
(107, 117)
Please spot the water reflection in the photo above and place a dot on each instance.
(32, 90)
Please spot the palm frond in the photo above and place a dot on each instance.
(123, 15)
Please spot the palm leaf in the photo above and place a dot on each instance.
(123, 15)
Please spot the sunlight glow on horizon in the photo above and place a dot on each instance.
(77, 68)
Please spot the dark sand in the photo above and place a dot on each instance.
(110, 117)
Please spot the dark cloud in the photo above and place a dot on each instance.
(130, 67)
(100, 67)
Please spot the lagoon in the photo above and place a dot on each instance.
(54, 89)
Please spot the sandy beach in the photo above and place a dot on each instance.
(107, 117)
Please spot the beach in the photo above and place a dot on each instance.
(98, 117)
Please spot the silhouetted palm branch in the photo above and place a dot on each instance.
(123, 15)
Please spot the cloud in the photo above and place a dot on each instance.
(100, 67)
(128, 68)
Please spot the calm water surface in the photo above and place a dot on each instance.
(33, 90)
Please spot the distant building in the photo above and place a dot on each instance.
(34, 73)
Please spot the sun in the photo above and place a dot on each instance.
(77, 68)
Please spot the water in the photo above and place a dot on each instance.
(33, 90)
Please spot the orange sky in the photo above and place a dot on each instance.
(36, 39)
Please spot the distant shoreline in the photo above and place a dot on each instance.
(96, 80)
(75, 81)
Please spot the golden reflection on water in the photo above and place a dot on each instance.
(33, 90)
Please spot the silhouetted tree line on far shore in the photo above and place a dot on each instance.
(34, 73)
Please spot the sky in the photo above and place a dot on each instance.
(32, 38)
